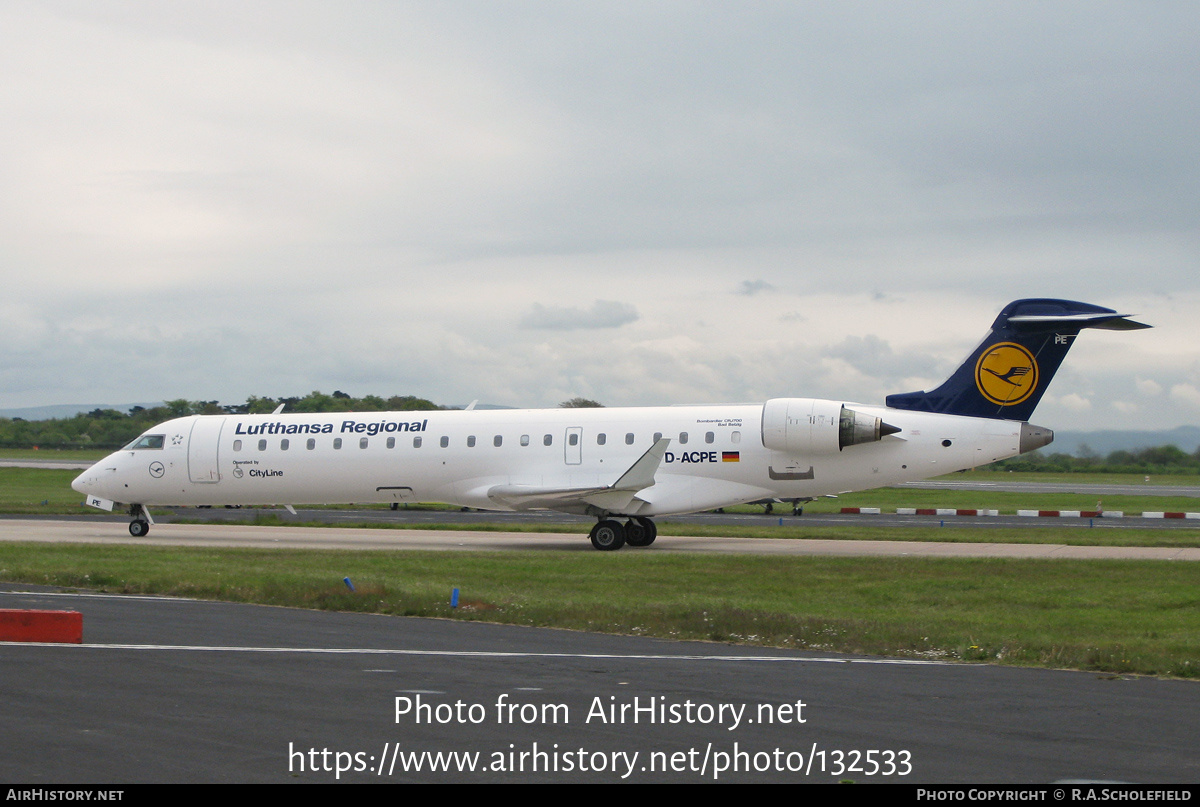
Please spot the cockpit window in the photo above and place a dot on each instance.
(146, 441)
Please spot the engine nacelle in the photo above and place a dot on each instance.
(802, 426)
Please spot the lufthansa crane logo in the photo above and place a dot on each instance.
(1006, 374)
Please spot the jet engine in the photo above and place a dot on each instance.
(802, 426)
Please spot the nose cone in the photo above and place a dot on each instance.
(90, 482)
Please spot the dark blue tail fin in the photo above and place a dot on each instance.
(1005, 376)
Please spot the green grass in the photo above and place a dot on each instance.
(1108, 616)
(1005, 502)
(23, 491)
(987, 475)
(55, 454)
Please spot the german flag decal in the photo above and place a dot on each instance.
(731, 456)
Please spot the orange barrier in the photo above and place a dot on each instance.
(41, 626)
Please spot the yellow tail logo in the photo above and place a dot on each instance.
(1006, 374)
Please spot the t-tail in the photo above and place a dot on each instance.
(1005, 377)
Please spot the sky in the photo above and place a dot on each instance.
(641, 203)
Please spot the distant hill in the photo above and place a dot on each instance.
(67, 410)
(1103, 443)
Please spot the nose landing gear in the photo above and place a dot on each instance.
(141, 520)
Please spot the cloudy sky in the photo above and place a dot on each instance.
(642, 203)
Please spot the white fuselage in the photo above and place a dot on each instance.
(717, 456)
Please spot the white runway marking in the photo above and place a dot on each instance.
(95, 596)
(474, 653)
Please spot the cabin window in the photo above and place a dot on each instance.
(629, 439)
(471, 441)
(657, 436)
(683, 438)
(601, 439)
(445, 442)
(311, 444)
(283, 444)
(148, 441)
(417, 441)
(237, 445)
(262, 445)
(497, 440)
(735, 437)
(709, 437)
(391, 442)
(573, 439)
(524, 439)
(362, 442)
(337, 442)
(548, 440)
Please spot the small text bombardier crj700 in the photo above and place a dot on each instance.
(621, 465)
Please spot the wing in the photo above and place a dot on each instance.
(612, 498)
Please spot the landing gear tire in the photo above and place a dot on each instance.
(608, 536)
(139, 527)
(640, 532)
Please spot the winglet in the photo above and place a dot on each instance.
(641, 474)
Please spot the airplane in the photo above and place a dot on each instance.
(623, 466)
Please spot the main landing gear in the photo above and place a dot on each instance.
(610, 535)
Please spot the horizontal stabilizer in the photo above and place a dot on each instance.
(1106, 322)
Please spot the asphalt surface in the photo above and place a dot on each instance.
(167, 690)
(781, 513)
(580, 525)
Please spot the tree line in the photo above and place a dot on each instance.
(110, 428)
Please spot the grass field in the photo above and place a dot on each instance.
(56, 454)
(986, 475)
(1005, 502)
(1109, 616)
